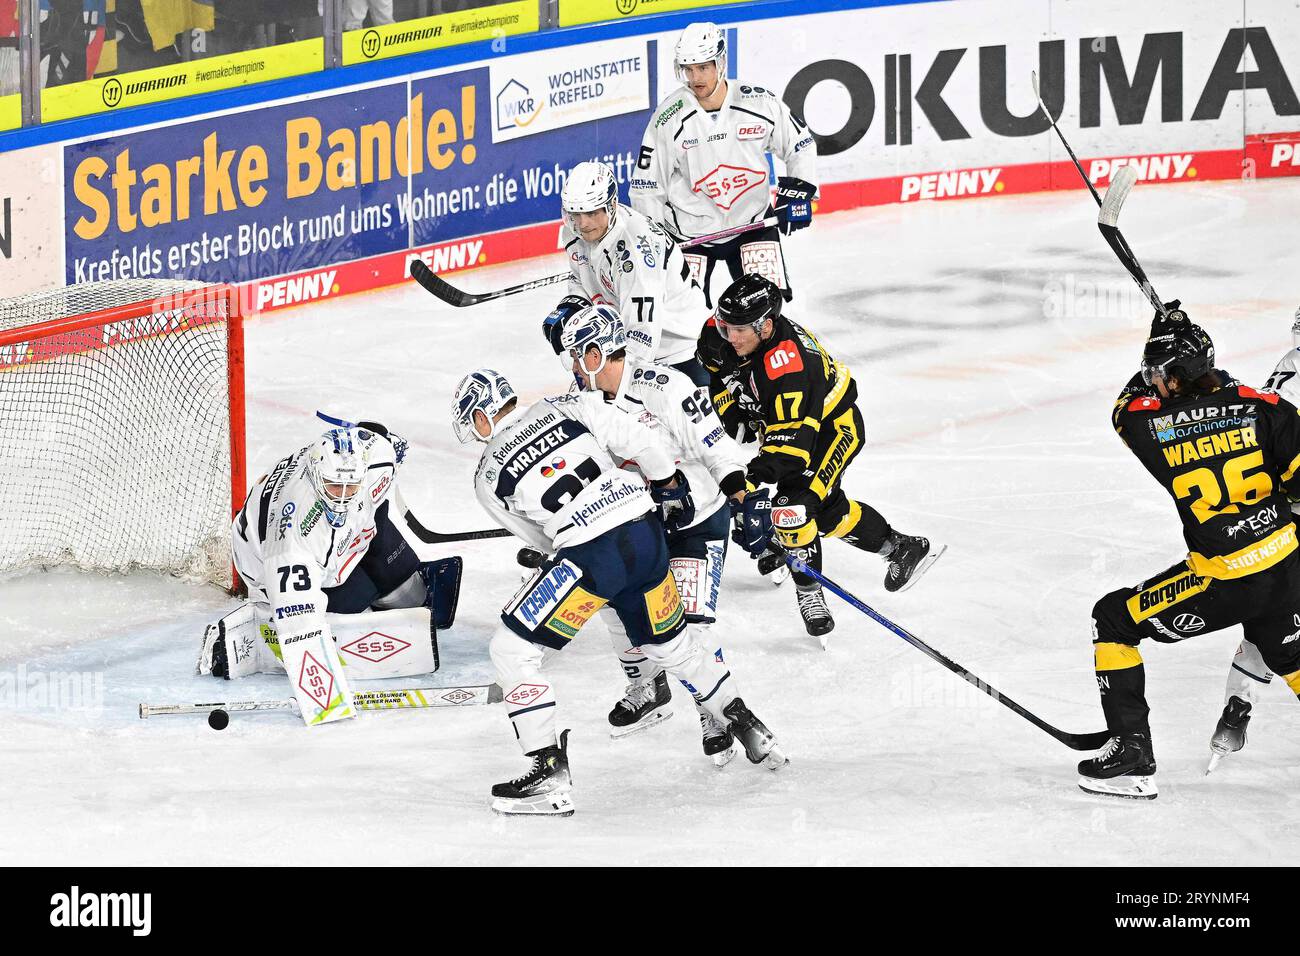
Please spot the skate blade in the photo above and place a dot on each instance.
(652, 719)
(776, 759)
(779, 576)
(1130, 787)
(923, 565)
(723, 757)
(558, 803)
(825, 640)
(1215, 757)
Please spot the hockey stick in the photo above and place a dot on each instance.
(398, 699)
(1073, 741)
(1108, 217)
(444, 290)
(436, 537)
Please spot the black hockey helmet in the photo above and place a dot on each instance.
(714, 352)
(748, 301)
(1177, 347)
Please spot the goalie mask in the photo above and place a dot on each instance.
(589, 187)
(483, 390)
(701, 43)
(598, 327)
(336, 468)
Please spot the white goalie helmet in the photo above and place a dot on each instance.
(700, 43)
(1295, 329)
(588, 187)
(482, 390)
(336, 468)
(596, 326)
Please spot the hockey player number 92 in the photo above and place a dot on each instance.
(568, 487)
(1241, 488)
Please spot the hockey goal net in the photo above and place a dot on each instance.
(122, 428)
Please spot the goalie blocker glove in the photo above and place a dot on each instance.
(794, 198)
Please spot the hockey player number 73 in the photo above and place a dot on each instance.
(301, 579)
(1242, 489)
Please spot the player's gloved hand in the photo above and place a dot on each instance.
(794, 199)
(676, 507)
(1173, 314)
(553, 324)
(751, 522)
(399, 443)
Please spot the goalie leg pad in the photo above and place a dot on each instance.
(241, 643)
(402, 642)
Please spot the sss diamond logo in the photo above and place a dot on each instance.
(457, 696)
(316, 681)
(526, 693)
(726, 184)
(376, 647)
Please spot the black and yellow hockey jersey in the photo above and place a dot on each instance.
(794, 391)
(1225, 457)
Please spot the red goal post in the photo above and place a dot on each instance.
(122, 427)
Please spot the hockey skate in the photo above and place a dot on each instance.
(1126, 768)
(771, 565)
(816, 615)
(910, 558)
(719, 744)
(759, 743)
(646, 703)
(1230, 734)
(544, 790)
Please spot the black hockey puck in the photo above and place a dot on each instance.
(529, 558)
(218, 720)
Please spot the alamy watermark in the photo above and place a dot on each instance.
(53, 690)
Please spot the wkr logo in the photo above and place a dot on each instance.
(516, 106)
(75, 909)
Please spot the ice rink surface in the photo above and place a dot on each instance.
(988, 339)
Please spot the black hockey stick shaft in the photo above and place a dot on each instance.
(1073, 741)
(1109, 230)
(436, 537)
(444, 290)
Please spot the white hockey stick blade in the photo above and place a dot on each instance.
(1120, 186)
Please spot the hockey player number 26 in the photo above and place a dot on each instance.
(1241, 488)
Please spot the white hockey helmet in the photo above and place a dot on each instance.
(701, 43)
(588, 187)
(482, 390)
(1295, 329)
(595, 326)
(336, 468)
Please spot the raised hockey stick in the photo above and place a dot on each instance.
(406, 698)
(440, 287)
(1073, 741)
(437, 537)
(1108, 217)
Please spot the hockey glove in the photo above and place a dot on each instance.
(794, 198)
(553, 324)
(399, 443)
(675, 505)
(751, 522)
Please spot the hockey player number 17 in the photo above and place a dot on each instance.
(1241, 488)
(794, 399)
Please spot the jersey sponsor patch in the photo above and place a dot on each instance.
(1247, 392)
(663, 606)
(574, 611)
(1143, 404)
(725, 184)
(538, 599)
(756, 131)
(783, 359)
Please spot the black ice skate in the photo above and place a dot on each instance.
(812, 608)
(910, 558)
(772, 565)
(646, 703)
(760, 746)
(1126, 768)
(1230, 734)
(543, 790)
(719, 744)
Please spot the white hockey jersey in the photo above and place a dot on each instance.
(286, 547)
(680, 412)
(551, 475)
(701, 172)
(1284, 379)
(639, 271)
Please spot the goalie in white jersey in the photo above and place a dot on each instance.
(680, 414)
(550, 475)
(618, 257)
(703, 165)
(1248, 671)
(327, 568)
